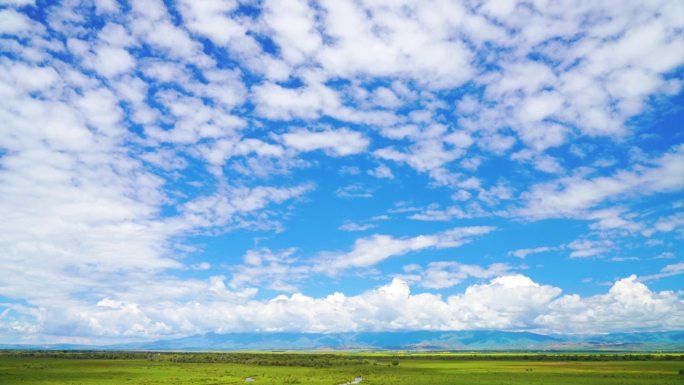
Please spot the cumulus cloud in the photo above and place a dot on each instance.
(510, 302)
(628, 303)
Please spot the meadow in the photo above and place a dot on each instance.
(90, 368)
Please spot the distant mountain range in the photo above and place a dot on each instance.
(408, 340)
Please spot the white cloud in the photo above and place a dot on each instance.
(667, 271)
(623, 259)
(384, 97)
(378, 247)
(165, 72)
(509, 302)
(593, 84)
(216, 20)
(294, 25)
(382, 172)
(265, 268)
(540, 106)
(112, 61)
(71, 230)
(86, 209)
(349, 170)
(427, 154)
(351, 226)
(18, 3)
(15, 23)
(338, 142)
(459, 139)
(443, 215)
(227, 207)
(612, 218)
(571, 196)
(380, 40)
(440, 275)
(106, 6)
(541, 162)
(522, 253)
(308, 102)
(582, 248)
(667, 224)
(151, 23)
(210, 18)
(461, 195)
(193, 118)
(353, 191)
(221, 150)
(664, 255)
(92, 167)
(628, 305)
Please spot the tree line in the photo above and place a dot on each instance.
(330, 359)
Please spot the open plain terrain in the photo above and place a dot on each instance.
(152, 368)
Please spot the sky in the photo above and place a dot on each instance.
(171, 168)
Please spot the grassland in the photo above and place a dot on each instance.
(56, 368)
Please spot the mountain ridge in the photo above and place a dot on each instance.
(475, 340)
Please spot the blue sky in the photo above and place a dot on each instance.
(169, 168)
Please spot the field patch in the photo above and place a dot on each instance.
(91, 368)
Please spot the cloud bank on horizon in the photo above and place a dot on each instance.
(177, 167)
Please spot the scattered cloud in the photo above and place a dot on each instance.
(583, 248)
(573, 196)
(623, 259)
(351, 226)
(228, 207)
(441, 275)
(667, 271)
(446, 214)
(265, 268)
(665, 255)
(522, 253)
(354, 191)
(673, 223)
(382, 172)
(336, 143)
(378, 247)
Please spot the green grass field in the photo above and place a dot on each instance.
(319, 369)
